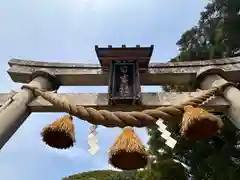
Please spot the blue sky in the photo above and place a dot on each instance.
(66, 31)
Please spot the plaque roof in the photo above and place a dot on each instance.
(108, 54)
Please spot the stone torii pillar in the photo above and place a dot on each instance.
(14, 114)
(211, 77)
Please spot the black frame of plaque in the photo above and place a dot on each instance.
(124, 83)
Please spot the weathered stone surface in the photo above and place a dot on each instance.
(5, 96)
(93, 74)
(15, 113)
(99, 101)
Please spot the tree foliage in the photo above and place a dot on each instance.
(112, 175)
(215, 36)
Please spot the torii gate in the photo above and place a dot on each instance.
(205, 75)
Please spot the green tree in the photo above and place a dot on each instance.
(216, 35)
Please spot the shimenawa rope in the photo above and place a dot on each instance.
(122, 119)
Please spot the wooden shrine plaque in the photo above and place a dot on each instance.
(124, 86)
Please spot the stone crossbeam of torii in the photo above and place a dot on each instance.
(17, 106)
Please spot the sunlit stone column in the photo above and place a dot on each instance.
(12, 117)
(211, 77)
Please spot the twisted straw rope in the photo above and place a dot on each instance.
(122, 119)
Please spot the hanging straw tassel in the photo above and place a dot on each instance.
(60, 134)
(199, 124)
(128, 152)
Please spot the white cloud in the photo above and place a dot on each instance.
(71, 153)
(110, 167)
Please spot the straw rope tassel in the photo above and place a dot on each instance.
(128, 152)
(60, 134)
(199, 124)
